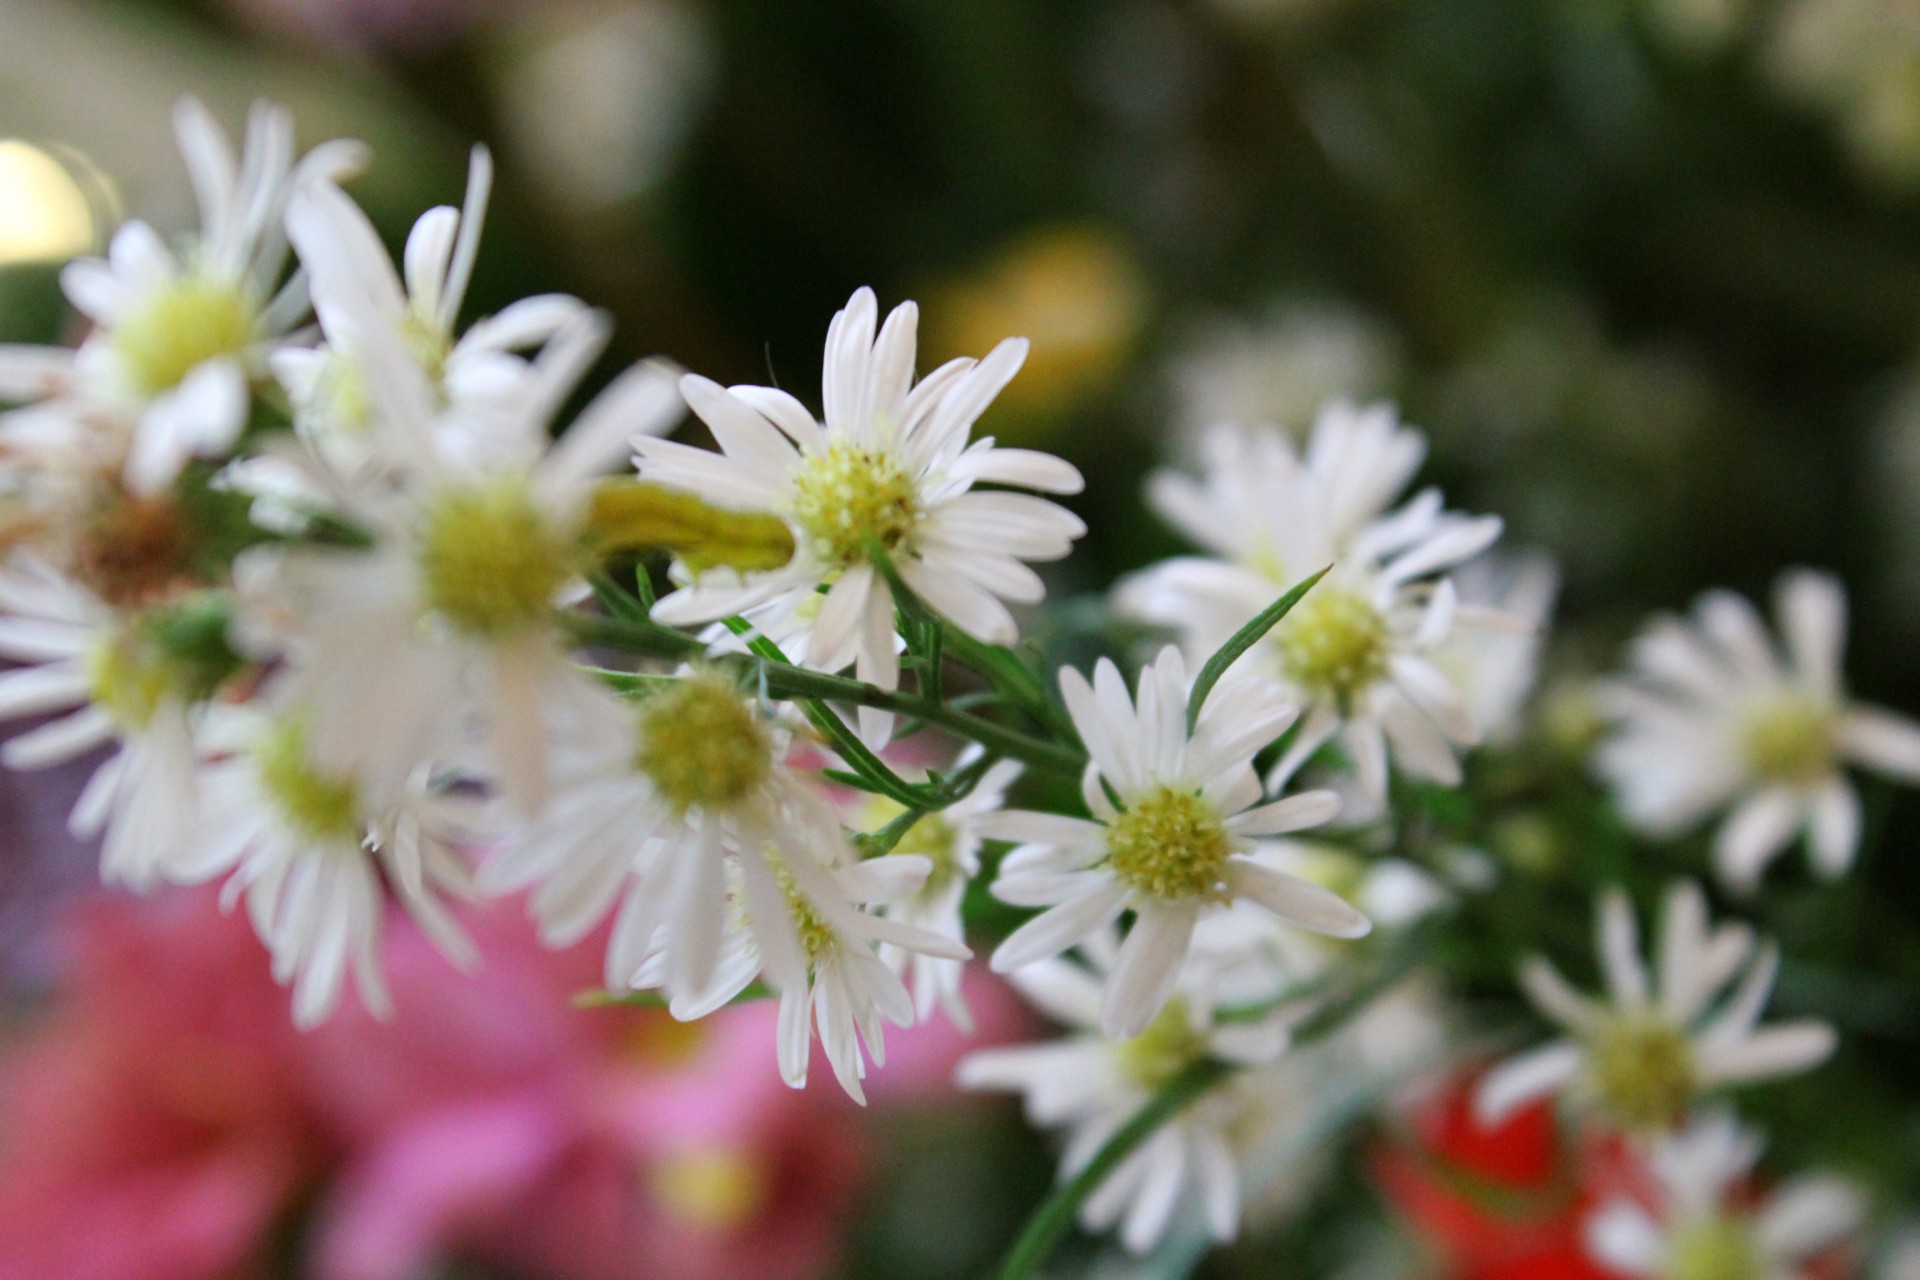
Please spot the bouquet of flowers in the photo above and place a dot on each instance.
(368, 630)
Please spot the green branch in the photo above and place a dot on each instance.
(780, 681)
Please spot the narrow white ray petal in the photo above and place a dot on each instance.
(1295, 900)
(1053, 931)
(1148, 967)
(1525, 1079)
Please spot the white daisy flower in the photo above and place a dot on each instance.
(950, 843)
(452, 608)
(118, 689)
(803, 922)
(651, 804)
(1702, 1226)
(890, 465)
(315, 852)
(180, 337)
(1496, 668)
(1713, 715)
(1172, 843)
(1091, 1085)
(1642, 1054)
(480, 371)
(1359, 651)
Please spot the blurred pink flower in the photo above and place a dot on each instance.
(493, 1121)
(152, 1120)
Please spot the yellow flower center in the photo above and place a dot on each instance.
(713, 1190)
(845, 496)
(311, 802)
(1167, 1047)
(185, 323)
(702, 745)
(931, 837)
(1713, 1249)
(1642, 1069)
(1790, 740)
(128, 679)
(816, 936)
(1333, 643)
(491, 560)
(1170, 845)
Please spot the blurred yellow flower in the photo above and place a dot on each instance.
(1074, 291)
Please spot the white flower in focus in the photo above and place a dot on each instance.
(479, 373)
(1700, 1225)
(314, 854)
(1713, 715)
(180, 337)
(652, 801)
(949, 842)
(1646, 1051)
(1172, 845)
(889, 466)
(804, 922)
(1358, 652)
(116, 688)
(1090, 1085)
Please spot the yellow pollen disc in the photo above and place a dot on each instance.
(1167, 1047)
(1642, 1070)
(712, 1190)
(127, 679)
(185, 323)
(845, 496)
(816, 936)
(490, 559)
(932, 837)
(1170, 845)
(1790, 740)
(1333, 643)
(702, 745)
(428, 343)
(1713, 1249)
(310, 801)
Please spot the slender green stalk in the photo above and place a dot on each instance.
(781, 681)
(1054, 1218)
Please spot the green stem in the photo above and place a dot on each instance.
(781, 681)
(1054, 1219)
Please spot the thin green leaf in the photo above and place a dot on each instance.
(1241, 641)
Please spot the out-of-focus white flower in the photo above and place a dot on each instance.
(117, 687)
(1175, 816)
(1642, 1054)
(1496, 669)
(314, 854)
(167, 373)
(1357, 652)
(1091, 1085)
(478, 374)
(477, 531)
(1712, 715)
(1699, 1227)
(889, 467)
(1854, 59)
(1276, 372)
(949, 842)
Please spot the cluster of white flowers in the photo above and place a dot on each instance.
(317, 565)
